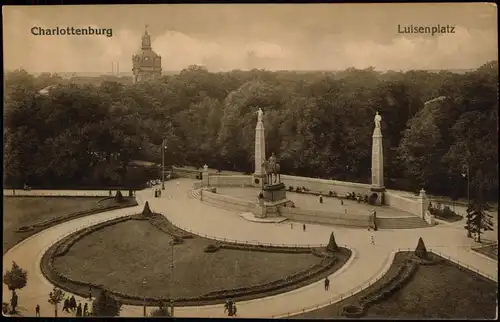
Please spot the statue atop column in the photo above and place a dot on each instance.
(260, 115)
(377, 120)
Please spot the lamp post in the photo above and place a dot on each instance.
(172, 284)
(144, 289)
(466, 173)
(163, 148)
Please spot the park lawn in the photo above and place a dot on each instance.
(490, 251)
(23, 211)
(441, 291)
(121, 256)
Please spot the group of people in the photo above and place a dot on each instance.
(70, 304)
(357, 197)
(230, 308)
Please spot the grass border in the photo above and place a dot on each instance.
(328, 265)
(36, 228)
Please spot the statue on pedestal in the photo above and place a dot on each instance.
(272, 169)
(260, 115)
(377, 120)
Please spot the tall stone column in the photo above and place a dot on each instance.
(377, 161)
(260, 146)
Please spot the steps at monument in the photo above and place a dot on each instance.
(401, 223)
(195, 194)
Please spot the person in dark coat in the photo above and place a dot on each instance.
(86, 310)
(320, 199)
(37, 310)
(72, 302)
(66, 305)
(79, 310)
(304, 227)
(327, 284)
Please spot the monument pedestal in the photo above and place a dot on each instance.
(274, 196)
(379, 191)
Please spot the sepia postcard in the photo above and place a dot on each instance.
(303, 161)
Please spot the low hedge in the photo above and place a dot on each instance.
(81, 288)
(211, 248)
(268, 249)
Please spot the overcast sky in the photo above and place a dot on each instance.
(242, 36)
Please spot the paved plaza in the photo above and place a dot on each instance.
(311, 202)
(367, 263)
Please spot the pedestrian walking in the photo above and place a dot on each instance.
(110, 192)
(37, 310)
(327, 284)
(66, 305)
(372, 240)
(304, 227)
(320, 199)
(341, 202)
(85, 309)
(234, 310)
(72, 302)
(79, 310)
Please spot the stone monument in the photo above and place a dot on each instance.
(260, 149)
(273, 194)
(377, 186)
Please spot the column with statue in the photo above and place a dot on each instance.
(377, 186)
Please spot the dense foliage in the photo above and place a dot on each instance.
(318, 123)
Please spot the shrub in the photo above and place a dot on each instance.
(147, 211)
(211, 248)
(332, 245)
(353, 311)
(119, 196)
(421, 251)
(24, 229)
(176, 240)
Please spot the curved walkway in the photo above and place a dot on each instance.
(367, 263)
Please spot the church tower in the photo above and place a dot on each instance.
(146, 64)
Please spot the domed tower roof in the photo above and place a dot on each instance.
(146, 63)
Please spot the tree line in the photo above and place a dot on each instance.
(319, 124)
